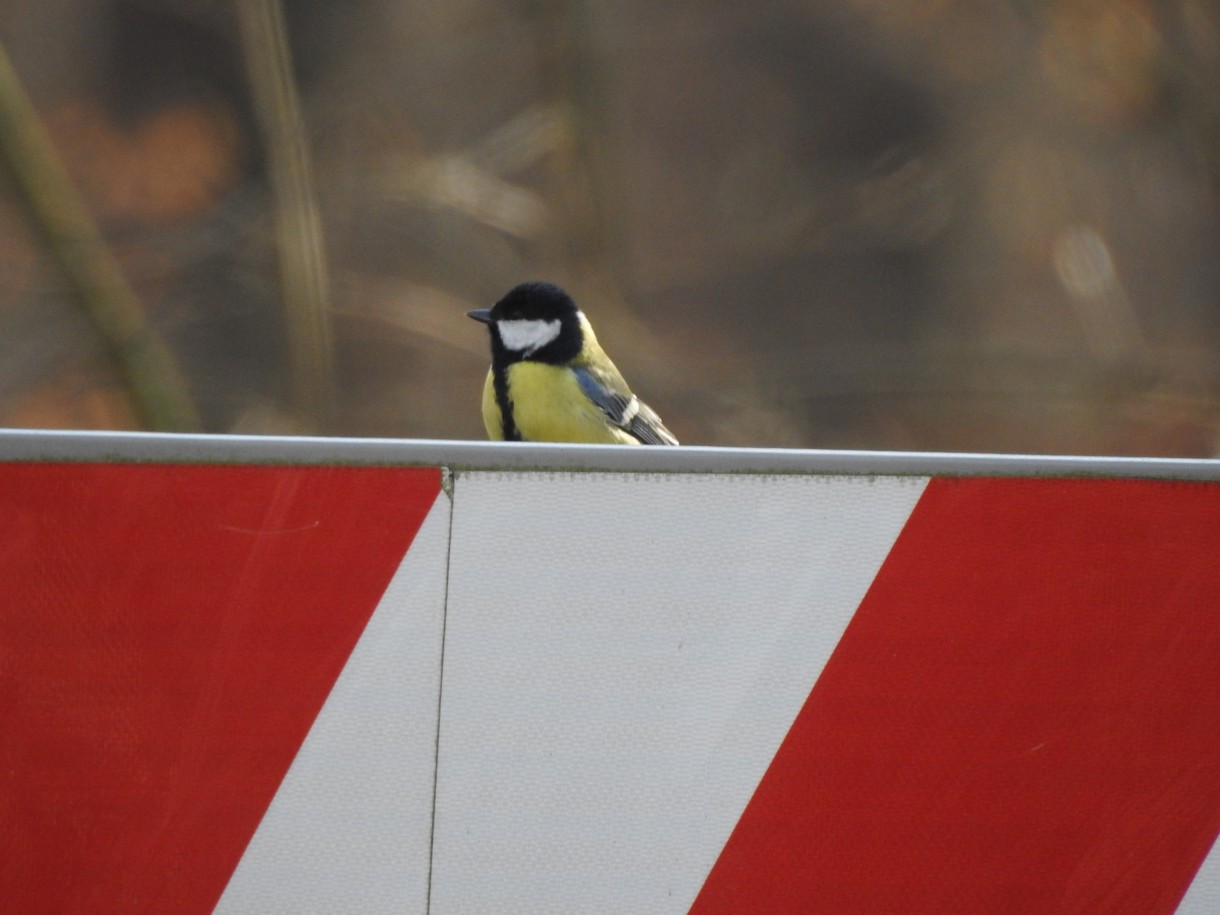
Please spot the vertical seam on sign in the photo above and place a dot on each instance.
(447, 485)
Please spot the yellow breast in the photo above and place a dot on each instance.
(549, 406)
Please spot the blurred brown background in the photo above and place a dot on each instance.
(882, 224)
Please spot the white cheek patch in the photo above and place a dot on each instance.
(526, 337)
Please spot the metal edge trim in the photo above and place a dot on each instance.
(19, 445)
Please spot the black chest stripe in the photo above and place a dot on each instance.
(508, 425)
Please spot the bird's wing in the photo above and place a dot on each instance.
(624, 409)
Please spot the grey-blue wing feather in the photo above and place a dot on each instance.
(625, 410)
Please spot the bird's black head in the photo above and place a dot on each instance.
(535, 321)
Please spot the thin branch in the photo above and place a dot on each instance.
(154, 382)
(302, 258)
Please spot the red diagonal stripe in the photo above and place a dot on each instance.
(167, 636)
(1023, 716)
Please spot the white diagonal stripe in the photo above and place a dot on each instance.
(349, 827)
(615, 691)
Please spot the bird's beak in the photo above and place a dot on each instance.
(482, 315)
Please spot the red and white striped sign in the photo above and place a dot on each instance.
(323, 688)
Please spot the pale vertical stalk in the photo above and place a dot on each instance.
(572, 75)
(154, 383)
(298, 223)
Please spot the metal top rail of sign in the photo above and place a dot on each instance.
(141, 447)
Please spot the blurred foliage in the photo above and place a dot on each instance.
(933, 225)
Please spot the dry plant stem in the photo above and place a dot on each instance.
(570, 71)
(154, 383)
(302, 261)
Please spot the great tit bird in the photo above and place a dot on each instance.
(550, 381)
